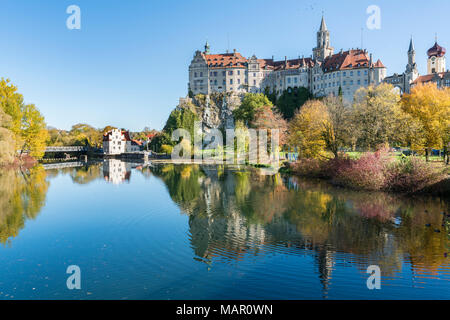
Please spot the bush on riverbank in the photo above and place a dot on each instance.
(374, 171)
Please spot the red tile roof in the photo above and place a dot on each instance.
(228, 60)
(347, 60)
(125, 136)
(136, 142)
(428, 78)
(351, 59)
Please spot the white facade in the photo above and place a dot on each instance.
(323, 73)
(116, 142)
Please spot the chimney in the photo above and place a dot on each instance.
(234, 51)
(272, 57)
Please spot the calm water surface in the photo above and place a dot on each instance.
(213, 232)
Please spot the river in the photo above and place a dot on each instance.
(213, 232)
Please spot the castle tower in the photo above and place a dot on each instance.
(412, 72)
(411, 54)
(436, 59)
(323, 49)
(207, 48)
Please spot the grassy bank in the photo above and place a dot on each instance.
(379, 171)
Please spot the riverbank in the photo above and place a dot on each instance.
(378, 171)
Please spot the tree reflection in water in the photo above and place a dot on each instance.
(22, 195)
(236, 212)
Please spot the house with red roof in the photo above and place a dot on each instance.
(117, 142)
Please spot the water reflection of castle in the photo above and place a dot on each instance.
(116, 171)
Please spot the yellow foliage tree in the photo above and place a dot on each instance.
(7, 146)
(33, 133)
(26, 122)
(306, 130)
(430, 107)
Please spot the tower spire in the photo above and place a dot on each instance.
(207, 47)
(411, 45)
(323, 25)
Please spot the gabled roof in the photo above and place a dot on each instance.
(125, 136)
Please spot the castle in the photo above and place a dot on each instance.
(436, 71)
(323, 73)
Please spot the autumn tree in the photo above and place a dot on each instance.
(33, 131)
(83, 134)
(429, 106)
(7, 145)
(268, 118)
(306, 129)
(376, 114)
(335, 124)
(27, 123)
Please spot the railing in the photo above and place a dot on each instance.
(66, 149)
(63, 165)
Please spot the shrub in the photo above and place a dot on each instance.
(368, 172)
(412, 174)
(313, 168)
(165, 148)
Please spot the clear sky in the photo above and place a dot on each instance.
(128, 65)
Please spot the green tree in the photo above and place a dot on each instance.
(291, 100)
(250, 104)
(181, 118)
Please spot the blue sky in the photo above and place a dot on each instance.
(128, 65)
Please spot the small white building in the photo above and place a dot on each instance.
(116, 142)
